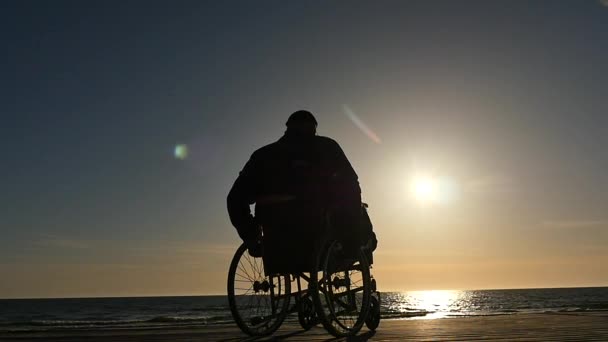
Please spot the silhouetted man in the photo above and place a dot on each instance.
(296, 179)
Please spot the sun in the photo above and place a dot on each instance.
(424, 189)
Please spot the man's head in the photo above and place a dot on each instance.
(301, 123)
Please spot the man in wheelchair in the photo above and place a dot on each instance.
(310, 228)
(301, 179)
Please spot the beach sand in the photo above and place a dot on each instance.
(518, 327)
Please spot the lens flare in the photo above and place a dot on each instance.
(362, 126)
(181, 151)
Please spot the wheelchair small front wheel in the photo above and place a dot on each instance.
(372, 321)
(307, 316)
(258, 302)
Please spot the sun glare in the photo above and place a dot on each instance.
(424, 189)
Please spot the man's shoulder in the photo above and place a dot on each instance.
(326, 142)
(266, 150)
(273, 149)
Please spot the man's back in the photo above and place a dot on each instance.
(308, 170)
(292, 181)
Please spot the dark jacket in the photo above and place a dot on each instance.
(313, 171)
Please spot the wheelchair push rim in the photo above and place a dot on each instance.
(258, 302)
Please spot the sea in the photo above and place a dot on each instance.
(161, 312)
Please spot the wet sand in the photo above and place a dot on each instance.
(519, 327)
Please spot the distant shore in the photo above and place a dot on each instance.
(521, 327)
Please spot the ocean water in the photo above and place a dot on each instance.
(160, 312)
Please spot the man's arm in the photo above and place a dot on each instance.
(345, 178)
(240, 197)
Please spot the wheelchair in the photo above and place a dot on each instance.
(327, 281)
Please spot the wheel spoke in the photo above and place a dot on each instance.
(258, 302)
(242, 268)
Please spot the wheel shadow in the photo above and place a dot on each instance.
(285, 336)
(277, 337)
(357, 338)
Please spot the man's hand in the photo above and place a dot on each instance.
(255, 248)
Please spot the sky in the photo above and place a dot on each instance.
(477, 129)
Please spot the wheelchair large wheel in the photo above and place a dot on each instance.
(258, 303)
(343, 289)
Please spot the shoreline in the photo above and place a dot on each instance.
(291, 320)
(553, 326)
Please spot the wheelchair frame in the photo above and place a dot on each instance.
(342, 305)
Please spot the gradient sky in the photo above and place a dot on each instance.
(505, 102)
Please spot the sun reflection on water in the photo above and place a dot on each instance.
(449, 303)
(431, 304)
(437, 303)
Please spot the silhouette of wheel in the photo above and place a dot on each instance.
(258, 302)
(342, 285)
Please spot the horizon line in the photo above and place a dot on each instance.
(224, 294)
